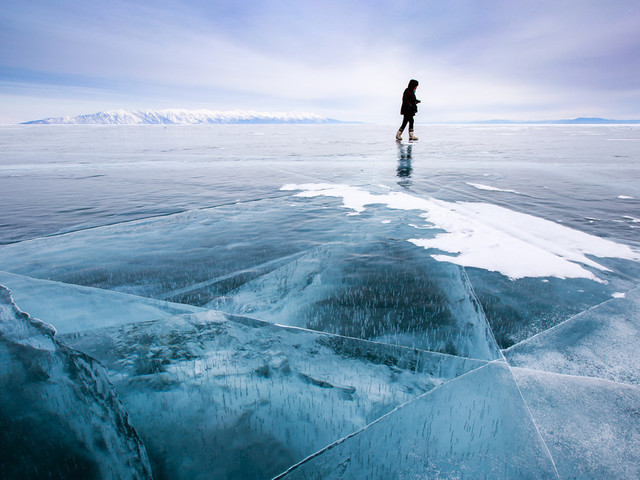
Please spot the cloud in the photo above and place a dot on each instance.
(352, 57)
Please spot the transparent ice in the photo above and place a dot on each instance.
(321, 302)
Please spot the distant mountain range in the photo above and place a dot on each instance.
(184, 117)
(573, 121)
(199, 117)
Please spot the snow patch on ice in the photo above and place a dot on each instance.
(480, 186)
(488, 236)
(625, 197)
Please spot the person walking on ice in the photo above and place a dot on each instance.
(409, 109)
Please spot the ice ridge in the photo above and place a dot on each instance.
(59, 413)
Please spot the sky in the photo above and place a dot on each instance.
(345, 59)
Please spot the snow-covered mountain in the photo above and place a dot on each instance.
(185, 117)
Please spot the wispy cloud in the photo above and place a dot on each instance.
(343, 58)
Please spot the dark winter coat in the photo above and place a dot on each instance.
(409, 101)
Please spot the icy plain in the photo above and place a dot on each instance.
(319, 301)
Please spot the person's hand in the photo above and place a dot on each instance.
(417, 101)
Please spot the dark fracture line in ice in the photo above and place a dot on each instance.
(526, 340)
(285, 261)
(473, 196)
(212, 281)
(147, 300)
(579, 377)
(150, 217)
(303, 175)
(331, 181)
(178, 212)
(250, 321)
(379, 419)
(467, 193)
(533, 422)
(80, 333)
(247, 320)
(472, 291)
(255, 322)
(133, 296)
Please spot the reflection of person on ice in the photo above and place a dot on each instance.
(409, 109)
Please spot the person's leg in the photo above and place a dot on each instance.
(411, 135)
(405, 120)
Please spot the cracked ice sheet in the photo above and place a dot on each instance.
(256, 255)
(72, 308)
(512, 243)
(590, 425)
(380, 290)
(475, 426)
(156, 257)
(60, 415)
(488, 236)
(600, 342)
(229, 397)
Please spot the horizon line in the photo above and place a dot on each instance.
(239, 116)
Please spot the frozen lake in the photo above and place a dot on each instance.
(64, 177)
(262, 291)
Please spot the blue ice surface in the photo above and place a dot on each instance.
(475, 426)
(234, 397)
(61, 416)
(162, 251)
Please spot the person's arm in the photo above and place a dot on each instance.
(409, 99)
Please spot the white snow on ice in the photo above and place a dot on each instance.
(488, 236)
(480, 186)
